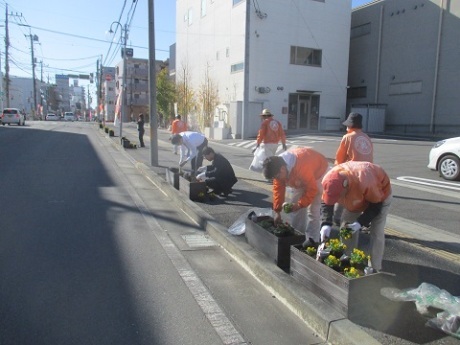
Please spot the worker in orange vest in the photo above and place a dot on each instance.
(301, 169)
(354, 146)
(177, 126)
(364, 190)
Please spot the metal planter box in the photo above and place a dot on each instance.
(276, 248)
(172, 177)
(196, 191)
(358, 299)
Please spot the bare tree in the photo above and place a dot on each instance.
(185, 94)
(209, 98)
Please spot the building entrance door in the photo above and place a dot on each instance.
(303, 111)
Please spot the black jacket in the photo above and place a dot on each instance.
(221, 170)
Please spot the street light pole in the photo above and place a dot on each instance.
(124, 35)
(152, 90)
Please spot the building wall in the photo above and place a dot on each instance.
(396, 58)
(137, 99)
(215, 40)
(62, 88)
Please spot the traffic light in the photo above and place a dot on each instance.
(91, 78)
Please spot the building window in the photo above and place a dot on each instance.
(357, 92)
(136, 65)
(235, 2)
(136, 81)
(237, 67)
(217, 56)
(306, 56)
(190, 16)
(227, 52)
(136, 96)
(203, 8)
(405, 88)
(360, 30)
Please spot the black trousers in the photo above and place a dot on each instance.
(197, 161)
(141, 138)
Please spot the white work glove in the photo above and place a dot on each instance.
(201, 176)
(354, 226)
(201, 169)
(325, 232)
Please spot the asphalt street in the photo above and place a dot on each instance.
(137, 213)
(415, 252)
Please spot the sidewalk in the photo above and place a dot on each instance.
(317, 314)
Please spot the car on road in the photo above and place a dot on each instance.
(445, 158)
(13, 115)
(52, 117)
(69, 116)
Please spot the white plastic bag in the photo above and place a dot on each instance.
(258, 161)
(239, 226)
(428, 295)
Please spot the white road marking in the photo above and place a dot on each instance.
(429, 182)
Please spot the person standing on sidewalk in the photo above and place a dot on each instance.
(301, 169)
(364, 190)
(177, 126)
(140, 129)
(191, 148)
(270, 133)
(220, 175)
(354, 146)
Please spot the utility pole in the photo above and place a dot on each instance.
(32, 39)
(152, 89)
(7, 65)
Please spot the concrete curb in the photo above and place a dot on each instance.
(317, 314)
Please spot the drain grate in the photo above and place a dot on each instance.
(198, 240)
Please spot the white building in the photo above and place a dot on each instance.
(296, 63)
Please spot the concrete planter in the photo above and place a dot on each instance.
(196, 191)
(126, 143)
(358, 299)
(276, 248)
(172, 177)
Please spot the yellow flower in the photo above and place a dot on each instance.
(332, 261)
(351, 272)
(358, 257)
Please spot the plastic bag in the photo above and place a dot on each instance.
(428, 295)
(258, 161)
(239, 226)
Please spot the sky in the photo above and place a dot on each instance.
(73, 35)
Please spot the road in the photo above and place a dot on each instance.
(422, 235)
(75, 182)
(91, 252)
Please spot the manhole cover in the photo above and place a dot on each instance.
(198, 240)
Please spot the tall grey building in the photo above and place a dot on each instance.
(404, 57)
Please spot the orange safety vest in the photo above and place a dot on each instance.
(367, 183)
(310, 166)
(178, 126)
(355, 146)
(271, 132)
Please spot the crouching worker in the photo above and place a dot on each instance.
(364, 190)
(220, 175)
(303, 170)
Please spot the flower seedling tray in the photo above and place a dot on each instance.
(172, 177)
(196, 191)
(276, 248)
(357, 299)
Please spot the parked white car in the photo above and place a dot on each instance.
(13, 115)
(445, 158)
(52, 117)
(69, 116)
